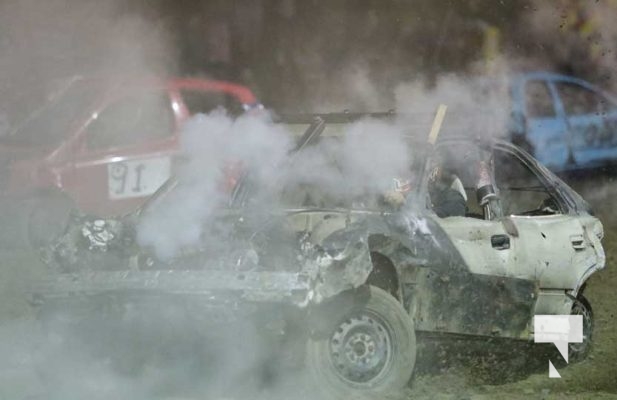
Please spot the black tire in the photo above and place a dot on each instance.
(580, 351)
(47, 218)
(379, 343)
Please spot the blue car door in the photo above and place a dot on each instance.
(546, 128)
(592, 122)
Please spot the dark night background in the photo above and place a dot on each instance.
(297, 54)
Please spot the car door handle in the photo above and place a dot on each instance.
(578, 242)
(500, 242)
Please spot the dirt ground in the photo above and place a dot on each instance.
(594, 378)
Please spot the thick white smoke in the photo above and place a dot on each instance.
(360, 163)
(211, 145)
(477, 106)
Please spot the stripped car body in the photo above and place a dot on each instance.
(483, 274)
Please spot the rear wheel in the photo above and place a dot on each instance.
(579, 351)
(370, 350)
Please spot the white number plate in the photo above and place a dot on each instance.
(139, 178)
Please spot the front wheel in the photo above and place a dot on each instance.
(368, 351)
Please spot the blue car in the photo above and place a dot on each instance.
(566, 123)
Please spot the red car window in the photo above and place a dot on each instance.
(51, 124)
(200, 101)
(132, 120)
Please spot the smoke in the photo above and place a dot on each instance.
(210, 145)
(57, 39)
(159, 353)
(161, 348)
(358, 164)
(361, 162)
(351, 87)
(477, 106)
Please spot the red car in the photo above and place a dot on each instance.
(104, 147)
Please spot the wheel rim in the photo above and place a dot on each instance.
(578, 308)
(361, 349)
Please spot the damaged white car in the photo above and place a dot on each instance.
(475, 241)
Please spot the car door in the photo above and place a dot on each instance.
(551, 244)
(592, 122)
(546, 129)
(484, 297)
(125, 152)
(473, 288)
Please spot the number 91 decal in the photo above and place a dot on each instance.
(137, 178)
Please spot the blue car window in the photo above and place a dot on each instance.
(538, 100)
(578, 100)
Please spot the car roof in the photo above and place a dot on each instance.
(240, 92)
(552, 76)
